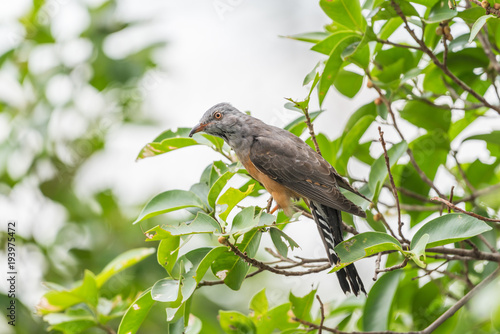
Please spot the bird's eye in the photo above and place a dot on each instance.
(217, 115)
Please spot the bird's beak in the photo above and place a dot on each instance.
(197, 128)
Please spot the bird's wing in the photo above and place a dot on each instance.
(291, 162)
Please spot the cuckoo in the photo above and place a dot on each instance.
(289, 169)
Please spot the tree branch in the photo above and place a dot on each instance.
(473, 255)
(478, 193)
(393, 186)
(383, 41)
(311, 129)
(322, 309)
(263, 266)
(210, 283)
(472, 214)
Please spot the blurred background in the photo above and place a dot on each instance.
(85, 84)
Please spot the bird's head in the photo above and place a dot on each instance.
(221, 120)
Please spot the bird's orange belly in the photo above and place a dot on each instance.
(281, 194)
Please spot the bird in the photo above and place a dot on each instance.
(289, 169)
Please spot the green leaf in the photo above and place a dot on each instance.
(248, 219)
(330, 43)
(167, 290)
(277, 237)
(259, 303)
(68, 323)
(276, 318)
(311, 75)
(301, 306)
(217, 187)
(333, 65)
(165, 146)
(88, 290)
(136, 313)
(365, 244)
(172, 140)
(345, 12)
(426, 116)
(471, 15)
(493, 137)
(377, 311)
(195, 325)
(190, 268)
(392, 64)
(310, 37)
(168, 201)
(478, 25)
(348, 83)
(230, 268)
(427, 3)
(365, 110)
(236, 323)
(450, 228)
(232, 197)
(418, 252)
(378, 172)
(298, 125)
(122, 262)
(357, 53)
(207, 262)
(167, 253)
(202, 223)
(350, 142)
(439, 14)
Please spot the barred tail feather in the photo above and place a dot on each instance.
(329, 222)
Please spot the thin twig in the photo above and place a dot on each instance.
(473, 255)
(493, 81)
(211, 283)
(386, 224)
(487, 243)
(462, 173)
(430, 271)
(451, 198)
(107, 329)
(472, 245)
(472, 214)
(396, 267)
(478, 193)
(394, 191)
(310, 126)
(383, 41)
(322, 310)
(445, 53)
(263, 266)
(414, 195)
(377, 266)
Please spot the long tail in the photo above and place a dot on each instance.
(329, 222)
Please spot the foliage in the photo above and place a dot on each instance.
(67, 95)
(434, 82)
